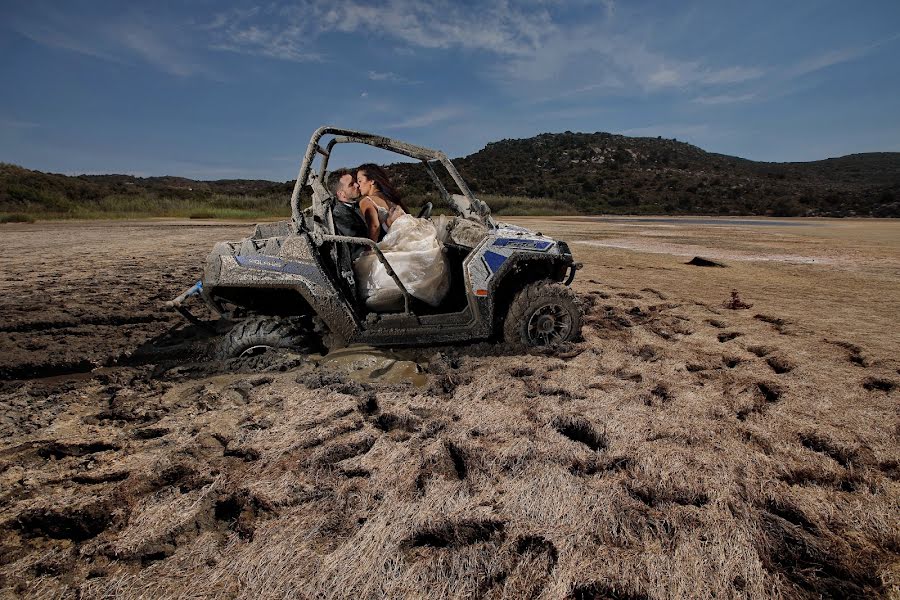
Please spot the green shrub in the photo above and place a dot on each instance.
(16, 218)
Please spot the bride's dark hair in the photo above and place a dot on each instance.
(378, 175)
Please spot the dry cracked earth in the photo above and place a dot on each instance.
(680, 449)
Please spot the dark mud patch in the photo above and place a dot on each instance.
(344, 450)
(878, 384)
(578, 429)
(770, 393)
(626, 375)
(521, 371)
(98, 478)
(595, 465)
(760, 351)
(765, 394)
(76, 523)
(660, 395)
(656, 293)
(648, 353)
(778, 323)
(699, 261)
(534, 544)
(836, 451)
(59, 450)
(456, 534)
(459, 459)
(855, 355)
(731, 361)
(240, 512)
(780, 364)
(603, 590)
(820, 566)
(41, 370)
(150, 433)
(853, 481)
(93, 320)
(609, 318)
(388, 421)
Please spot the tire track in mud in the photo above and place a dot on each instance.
(107, 320)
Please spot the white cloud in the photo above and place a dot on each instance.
(825, 60)
(527, 43)
(390, 77)
(435, 115)
(566, 55)
(230, 32)
(157, 51)
(723, 99)
(125, 39)
(289, 32)
(665, 76)
(731, 75)
(54, 29)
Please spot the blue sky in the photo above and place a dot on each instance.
(219, 89)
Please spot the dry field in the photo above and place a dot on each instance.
(682, 449)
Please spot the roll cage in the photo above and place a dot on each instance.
(467, 205)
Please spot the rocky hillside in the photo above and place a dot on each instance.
(602, 172)
(589, 172)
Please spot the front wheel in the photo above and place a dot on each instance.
(258, 334)
(542, 314)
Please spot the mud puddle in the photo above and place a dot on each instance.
(366, 364)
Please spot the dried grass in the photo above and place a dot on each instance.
(641, 465)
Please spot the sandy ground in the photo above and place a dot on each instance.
(682, 449)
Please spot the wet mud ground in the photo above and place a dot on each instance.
(681, 449)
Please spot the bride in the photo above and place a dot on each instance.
(409, 244)
(381, 204)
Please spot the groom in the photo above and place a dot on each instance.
(347, 219)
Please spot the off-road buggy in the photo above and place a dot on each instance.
(291, 284)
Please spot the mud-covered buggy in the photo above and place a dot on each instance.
(292, 285)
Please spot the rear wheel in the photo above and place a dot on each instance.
(542, 314)
(258, 334)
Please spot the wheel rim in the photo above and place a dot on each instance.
(255, 350)
(549, 324)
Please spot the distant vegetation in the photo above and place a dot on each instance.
(550, 174)
(47, 195)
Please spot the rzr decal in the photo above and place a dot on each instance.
(536, 245)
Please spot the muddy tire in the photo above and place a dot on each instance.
(258, 334)
(542, 314)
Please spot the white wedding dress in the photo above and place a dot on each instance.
(417, 257)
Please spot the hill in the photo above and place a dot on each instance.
(587, 173)
(606, 173)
